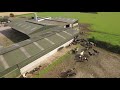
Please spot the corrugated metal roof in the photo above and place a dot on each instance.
(16, 55)
(67, 20)
(42, 40)
(49, 22)
(31, 26)
(24, 27)
(47, 31)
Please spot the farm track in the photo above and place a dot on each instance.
(15, 13)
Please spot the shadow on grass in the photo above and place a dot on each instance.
(106, 46)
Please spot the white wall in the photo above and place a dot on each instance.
(42, 59)
(75, 24)
(71, 25)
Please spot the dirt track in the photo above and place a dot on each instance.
(15, 13)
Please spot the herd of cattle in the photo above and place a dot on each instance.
(86, 52)
(81, 56)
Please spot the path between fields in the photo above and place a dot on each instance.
(15, 13)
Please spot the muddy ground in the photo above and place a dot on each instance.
(104, 65)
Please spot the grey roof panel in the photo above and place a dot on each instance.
(49, 22)
(24, 27)
(32, 49)
(67, 20)
(44, 43)
(56, 39)
(3, 61)
(38, 45)
(64, 35)
(14, 57)
(73, 32)
(23, 50)
(1, 67)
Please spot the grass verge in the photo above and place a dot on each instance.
(51, 66)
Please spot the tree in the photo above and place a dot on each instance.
(12, 15)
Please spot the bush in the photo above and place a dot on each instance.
(12, 15)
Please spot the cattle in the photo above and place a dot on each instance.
(75, 50)
(68, 73)
(81, 57)
(25, 75)
(96, 51)
(90, 53)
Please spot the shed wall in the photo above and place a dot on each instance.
(42, 59)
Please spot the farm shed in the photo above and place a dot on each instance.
(24, 56)
(71, 22)
(60, 21)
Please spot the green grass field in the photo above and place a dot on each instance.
(114, 40)
(107, 22)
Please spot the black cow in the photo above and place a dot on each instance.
(90, 53)
(95, 51)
